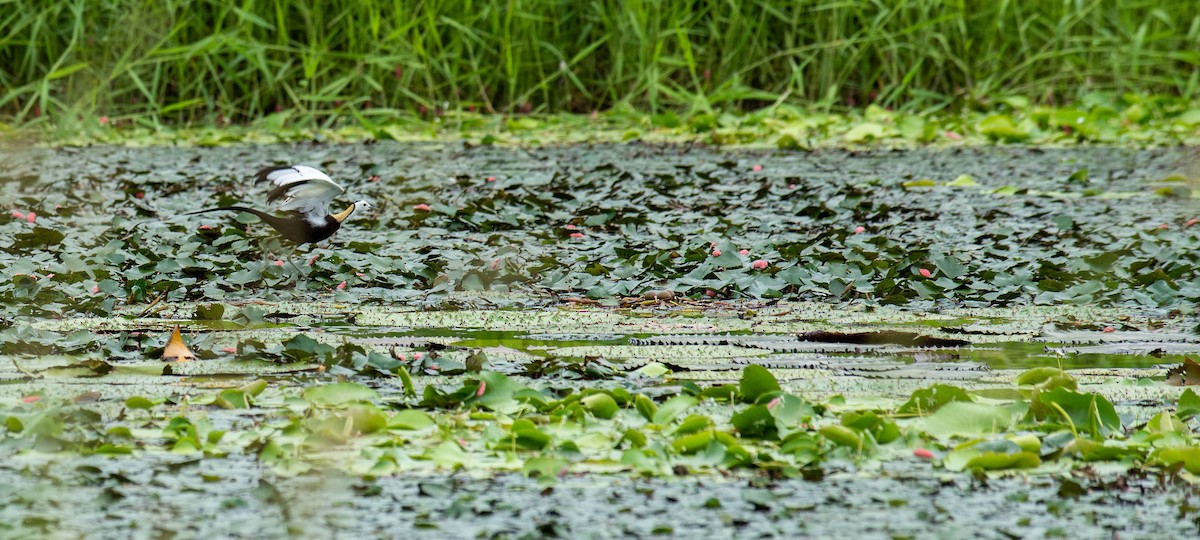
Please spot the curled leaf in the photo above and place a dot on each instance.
(176, 350)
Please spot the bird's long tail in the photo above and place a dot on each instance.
(280, 225)
(262, 215)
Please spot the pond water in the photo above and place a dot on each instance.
(884, 272)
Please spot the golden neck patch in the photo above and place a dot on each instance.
(341, 216)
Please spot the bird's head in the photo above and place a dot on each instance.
(358, 206)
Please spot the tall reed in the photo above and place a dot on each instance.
(208, 60)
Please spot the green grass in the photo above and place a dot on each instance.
(216, 61)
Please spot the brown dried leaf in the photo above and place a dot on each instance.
(1185, 374)
(176, 350)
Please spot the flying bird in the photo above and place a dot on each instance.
(306, 193)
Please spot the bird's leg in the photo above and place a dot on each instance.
(264, 245)
(291, 254)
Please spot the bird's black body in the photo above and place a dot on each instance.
(296, 229)
(303, 194)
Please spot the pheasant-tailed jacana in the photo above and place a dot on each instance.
(306, 193)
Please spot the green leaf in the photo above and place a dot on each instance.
(991, 461)
(448, 454)
(499, 392)
(653, 369)
(950, 267)
(645, 406)
(755, 422)
(543, 467)
(791, 412)
(965, 419)
(756, 381)
(254, 388)
(693, 423)
(963, 180)
(842, 435)
(1039, 375)
(526, 435)
(338, 394)
(672, 408)
(692, 443)
(600, 404)
(927, 400)
(1001, 127)
(64, 71)
(411, 419)
(410, 391)
(1189, 456)
(232, 399)
(1189, 405)
(366, 418)
(864, 132)
(179, 105)
(1089, 412)
(138, 402)
(1189, 117)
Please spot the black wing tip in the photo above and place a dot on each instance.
(265, 171)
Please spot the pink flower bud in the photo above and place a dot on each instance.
(417, 356)
(925, 273)
(953, 136)
(710, 293)
(140, 194)
(756, 168)
(774, 403)
(482, 389)
(421, 206)
(569, 226)
(278, 262)
(491, 179)
(1163, 226)
(205, 227)
(496, 263)
(30, 399)
(923, 453)
(230, 350)
(1191, 222)
(30, 217)
(576, 235)
(1109, 330)
(744, 252)
(17, 214)
(104, 120)
(716, 253)
(860, 229)
(95, 289)
(341, 285)
(760, 264)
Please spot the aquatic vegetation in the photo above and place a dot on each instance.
(655, 220)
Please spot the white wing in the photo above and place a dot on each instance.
(303, 189)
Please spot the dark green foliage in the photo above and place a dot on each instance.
(992, 244)
(214, 61)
